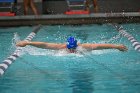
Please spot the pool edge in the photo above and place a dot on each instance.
(62, 19)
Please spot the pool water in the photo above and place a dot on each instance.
(48, 71)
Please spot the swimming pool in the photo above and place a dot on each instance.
(47, 71)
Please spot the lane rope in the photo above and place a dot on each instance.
(9, 60)
(123, 32)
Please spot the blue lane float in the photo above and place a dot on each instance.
(123, 32)
(7, 62)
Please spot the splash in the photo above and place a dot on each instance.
(16, 37)
(112, 39)
(47, 52)
(106, 51)
(14, 40)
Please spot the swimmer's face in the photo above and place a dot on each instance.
(72, 50)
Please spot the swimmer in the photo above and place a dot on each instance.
(71, 45)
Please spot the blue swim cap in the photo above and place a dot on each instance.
(71, 43)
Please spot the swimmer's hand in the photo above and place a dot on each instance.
(22, 43)
(122, 48)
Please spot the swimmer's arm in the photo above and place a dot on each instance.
(103, 46)
(43, 45)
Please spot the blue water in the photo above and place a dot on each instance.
(47, 71)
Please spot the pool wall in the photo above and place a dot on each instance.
(109, 11)
(62, 19)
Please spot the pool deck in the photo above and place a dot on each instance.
(62, 19)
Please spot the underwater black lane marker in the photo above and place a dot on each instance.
(134, 42)
(7, 62)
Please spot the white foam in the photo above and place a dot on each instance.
(106, 51)
(63, 52)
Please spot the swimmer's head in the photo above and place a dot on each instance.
(71, 43)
